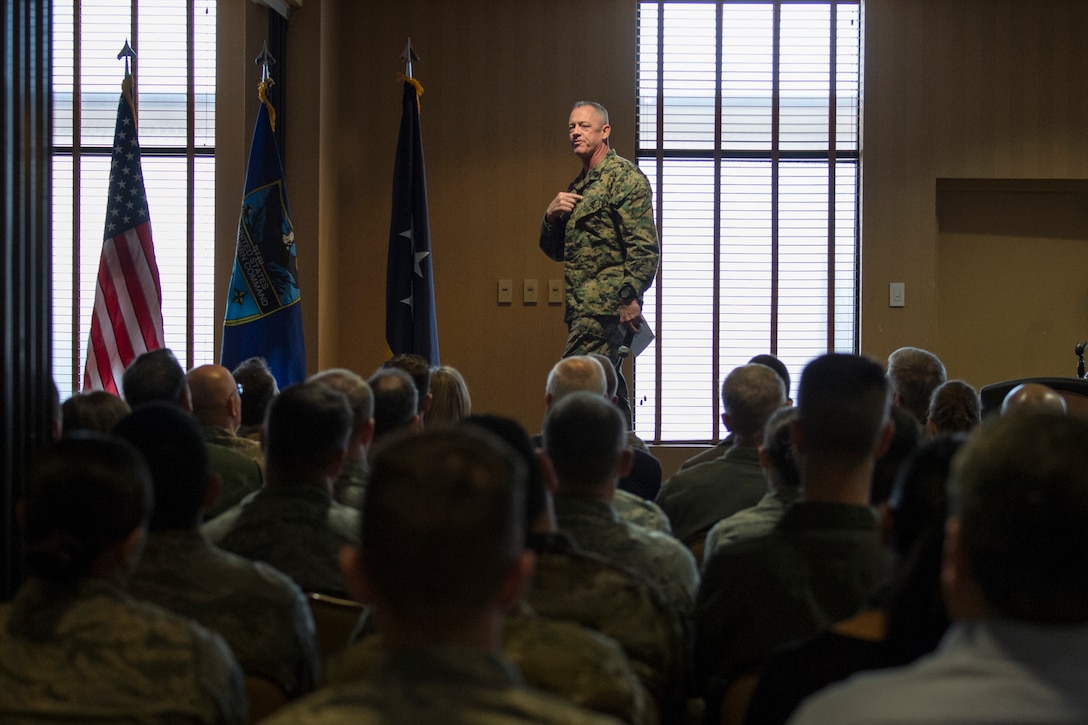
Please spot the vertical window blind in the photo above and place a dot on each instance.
(748, 118)
(175, 99)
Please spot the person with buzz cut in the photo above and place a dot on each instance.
(259, 611)
(294, 523)
(442, 561)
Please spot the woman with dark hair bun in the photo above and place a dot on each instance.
(73, 644)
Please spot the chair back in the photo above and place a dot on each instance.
(335, 619)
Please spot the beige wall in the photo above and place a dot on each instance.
(971, 89)
(965, 98)
(499, 79)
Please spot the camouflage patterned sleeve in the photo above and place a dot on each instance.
(634, 212)
(551, 240)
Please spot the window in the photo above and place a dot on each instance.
(748, 130)
(175, 90)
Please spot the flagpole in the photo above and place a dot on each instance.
(263, 316)
(407, 57)
(410, 325)
(127, 314)
(126, 53)
(265, 61)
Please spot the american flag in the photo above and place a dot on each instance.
(127, 317)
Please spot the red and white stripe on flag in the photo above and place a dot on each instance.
(127, 308)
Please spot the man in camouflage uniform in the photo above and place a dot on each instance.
(217, 405)
(441, 562)
(261, 613)
(602, 228)
(783, 488)
(74, 645)
(293, 523)
(566, 659)
(583, 373)
(699, 497)
(585, 454)
(350, 484)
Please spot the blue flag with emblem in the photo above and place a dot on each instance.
(410, 325)
(264, 315)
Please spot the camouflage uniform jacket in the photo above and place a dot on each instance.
(219, 436)
(660, 558)
(608, 241)
(437, 685)
(240, 471)
(297, 529)
(577, 586)
(699, 497)
(562, 658)
(822, 563)
(637, 510)
(261, 613)
(102, 657)
(751, 522)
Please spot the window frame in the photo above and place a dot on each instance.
(198, 157)
(653, 159)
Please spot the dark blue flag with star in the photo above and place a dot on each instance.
(264, 315)
(410, 325)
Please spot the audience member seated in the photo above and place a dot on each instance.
(260, 612)
(74, 645)
(911, 618)
(258, 388)
(419, 370)
(156, 376)
(441, 562)
(954, 408)
(1033, 396)
(699, 497)
(293, 523)
(716, 451)
(560, 657)
(824, 560)
(1014, 586)
(583, 373)
(644, 480)
(585, 454)
(913, 375)
(350, 484)
(93, 410)
(396, 402)
(217, 406)
(907, 433)
(450, 400)
(576, 586)
(779, 467)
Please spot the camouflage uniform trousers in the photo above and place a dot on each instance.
(602, 335)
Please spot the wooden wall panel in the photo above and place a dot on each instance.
(499, 80)
(976, 89)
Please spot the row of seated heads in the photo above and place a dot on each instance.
(44, 535)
